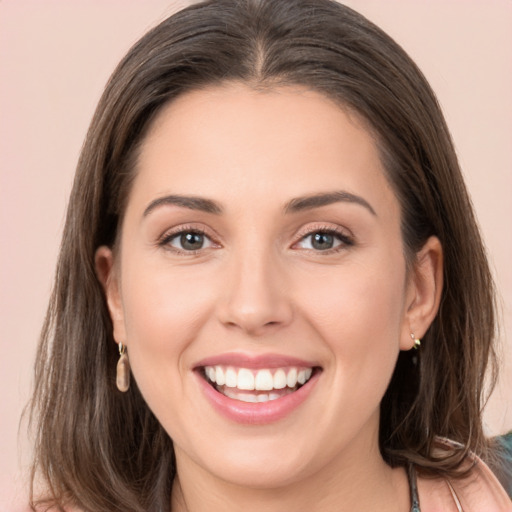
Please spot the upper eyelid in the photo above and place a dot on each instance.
(185, 228)
(322, 227)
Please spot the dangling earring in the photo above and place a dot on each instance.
(417, 342)
(123, 370)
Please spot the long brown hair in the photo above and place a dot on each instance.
(102, 450)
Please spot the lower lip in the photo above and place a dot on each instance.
(257, 413)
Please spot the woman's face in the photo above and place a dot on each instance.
(261, 248)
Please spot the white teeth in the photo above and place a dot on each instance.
(291, 379)
(259, 380)
(220, 378)
(243, 397)
(245, 379)
(251, 398)
(264, 381)
(231, 378)
(279, 379)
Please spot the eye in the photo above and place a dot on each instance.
(187, 241)
(324, 240)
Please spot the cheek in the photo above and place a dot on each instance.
(359, 301)
(164, 311)
(162, 298)
(359, 312)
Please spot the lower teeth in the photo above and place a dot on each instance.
(252, 397)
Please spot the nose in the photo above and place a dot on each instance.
(256, 296)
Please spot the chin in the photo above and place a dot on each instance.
(274, 471)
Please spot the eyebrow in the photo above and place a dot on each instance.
(191, 202)
(293, 206)
(323, 199)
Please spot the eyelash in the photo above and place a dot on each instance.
(341, 235)
(344, 239)
(165, 240)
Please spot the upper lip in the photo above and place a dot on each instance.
(254, 361)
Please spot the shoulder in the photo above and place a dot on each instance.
(478, 491)
(481, 490)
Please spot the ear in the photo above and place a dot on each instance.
(109, 278)
(424, 288)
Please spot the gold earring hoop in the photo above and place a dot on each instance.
(123, 370)
(417, 342)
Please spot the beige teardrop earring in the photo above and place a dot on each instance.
(123, 370)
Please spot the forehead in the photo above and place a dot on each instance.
(281, 142)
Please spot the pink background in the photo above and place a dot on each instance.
(55, 57)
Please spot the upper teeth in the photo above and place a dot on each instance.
(260, 380)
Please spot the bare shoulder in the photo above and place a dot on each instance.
(479, 491)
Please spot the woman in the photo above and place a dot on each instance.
(272, 293)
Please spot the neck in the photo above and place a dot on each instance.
(354, 481)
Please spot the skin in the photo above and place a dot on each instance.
(258, 286)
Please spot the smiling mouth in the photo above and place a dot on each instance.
(257, 385)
